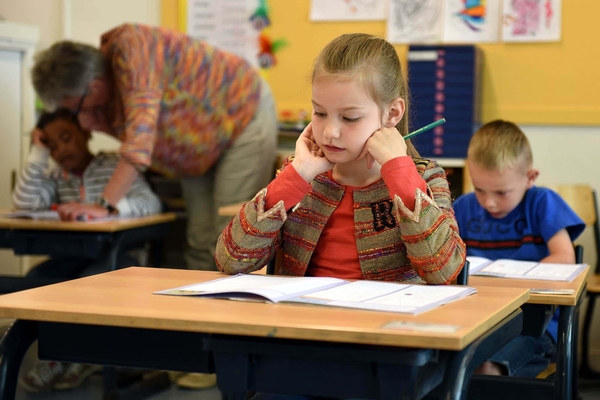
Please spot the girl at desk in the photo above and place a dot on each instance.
(356, 200)
(79, 178)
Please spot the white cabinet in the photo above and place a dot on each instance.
(17, 114)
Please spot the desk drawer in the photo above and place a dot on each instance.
(324, 369)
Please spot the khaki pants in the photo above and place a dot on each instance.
(243, 169)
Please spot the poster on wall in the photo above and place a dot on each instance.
(415, 21)
(472, 21)
(348, 10)
(531, 20)
(226, 24)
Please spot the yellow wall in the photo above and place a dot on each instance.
(534, 83)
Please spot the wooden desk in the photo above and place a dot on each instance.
(114, 225)
(230, 210)
(114, 319)
(564, 384)
(80, 239)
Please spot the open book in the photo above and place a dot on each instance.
(39, 214)
(524, 269)
(366, 295)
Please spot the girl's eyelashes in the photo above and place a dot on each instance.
(347, 119)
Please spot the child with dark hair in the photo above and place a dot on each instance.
(78, 179)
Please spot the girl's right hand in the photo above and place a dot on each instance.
(38, 138)
(309, 160)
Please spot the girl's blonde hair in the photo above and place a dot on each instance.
(500, 144)
(374, 63)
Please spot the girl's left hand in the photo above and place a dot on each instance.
(383, 145)
(78, 211)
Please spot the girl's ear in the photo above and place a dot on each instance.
(395, 111)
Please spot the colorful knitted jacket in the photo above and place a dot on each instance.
(394, 243)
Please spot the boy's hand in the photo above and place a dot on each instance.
(77, 211)
(383, 145)
(309, 160)
(38, 138)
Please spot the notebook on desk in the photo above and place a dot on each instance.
(49, 215)
(333, 292)
(517, 269)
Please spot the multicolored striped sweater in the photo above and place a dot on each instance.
(178, 102)
(420, 246)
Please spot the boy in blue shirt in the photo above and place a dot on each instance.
(508, 217)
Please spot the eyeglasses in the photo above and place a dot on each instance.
(78, 109)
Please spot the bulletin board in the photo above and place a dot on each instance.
(555, 83)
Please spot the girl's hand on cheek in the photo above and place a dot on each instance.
(309, 159)
(384, 145)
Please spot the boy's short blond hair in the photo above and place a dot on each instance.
(498, 145)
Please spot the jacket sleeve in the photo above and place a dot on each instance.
(139, 201)
(430, 232)
(252, 238)
(137, 67)
(35, 190)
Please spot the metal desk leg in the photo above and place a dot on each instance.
(575, 349)
(462, 365)
(564, 356)
(13, 347)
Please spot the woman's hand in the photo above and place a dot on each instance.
(383, 145)
(309, 160)
(38, 138)
(77, 211)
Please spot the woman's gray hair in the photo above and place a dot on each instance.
(65, 70)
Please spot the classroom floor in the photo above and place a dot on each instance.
(92, 389)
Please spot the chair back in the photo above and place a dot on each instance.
(463, 276)
(582, 199)
(578, 254)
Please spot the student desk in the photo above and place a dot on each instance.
(564, 384)
(114, 319)
(80, 239)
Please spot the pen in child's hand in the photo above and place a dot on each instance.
(425, 128)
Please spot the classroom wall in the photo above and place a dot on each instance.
(553, 83)
(83, 21)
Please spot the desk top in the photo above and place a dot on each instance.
(536, 298)
(230, 210)
(113, 225)
(124, 298)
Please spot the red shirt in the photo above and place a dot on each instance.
(336, 254)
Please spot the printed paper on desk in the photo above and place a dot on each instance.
(334, 292)
(517, 269)
(50, 215)
(386, 296)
